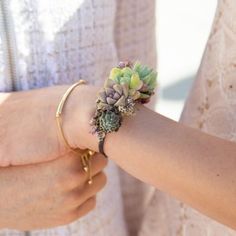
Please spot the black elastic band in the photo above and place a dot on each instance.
(101, 147)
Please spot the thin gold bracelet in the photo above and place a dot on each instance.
(86, 154)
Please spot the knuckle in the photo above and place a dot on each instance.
(91, 203)
(82, 210)
(77, 178)
(70, 217)
(72, 180)
(103, 179)
(73, 199)
(100, 181)
(103, 163)
(100, 161)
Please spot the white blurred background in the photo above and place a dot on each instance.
(183, 28)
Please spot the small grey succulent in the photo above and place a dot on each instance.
(109, 121)
(113, 94)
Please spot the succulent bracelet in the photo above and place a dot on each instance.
(126, 86)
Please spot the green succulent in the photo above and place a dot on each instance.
(140, 79)
(109, 121)
(115, 74)
(147, 75)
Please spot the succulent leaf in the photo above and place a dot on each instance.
(110, 101)
(109, 91)
(134, 94)
(142, 70)
(121, 101)
(116, 95)
(135, 82)
(144, 89)
(118, 88)
(109, 83)
(115, 74)
(137, 66)
(147, 79)
(125, 88)
(153, 82)
(144, 96)
(102, 105)
(125, 80)
(102, 96)
(127, 72)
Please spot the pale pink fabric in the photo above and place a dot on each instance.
(50, 42)
(211, 107)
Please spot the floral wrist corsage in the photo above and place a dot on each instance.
(126, 86)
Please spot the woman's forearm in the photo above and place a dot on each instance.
(196, 168)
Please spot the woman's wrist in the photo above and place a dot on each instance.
(78, 112)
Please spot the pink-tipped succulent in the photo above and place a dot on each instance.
(113, 94)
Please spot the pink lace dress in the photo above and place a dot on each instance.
(211, 107)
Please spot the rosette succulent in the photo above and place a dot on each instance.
(112, 94)
(109, 121)
(141, 80)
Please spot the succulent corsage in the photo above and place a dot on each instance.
(126, 86)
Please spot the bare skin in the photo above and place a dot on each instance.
(48, 194)
(197, 168)
(55, 191)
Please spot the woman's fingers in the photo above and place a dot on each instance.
(98, 163)
(79, 211)
(80, 195)
(73, 175)
(55, 188)
(85, 208)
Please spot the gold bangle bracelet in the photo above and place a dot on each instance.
(86, 154)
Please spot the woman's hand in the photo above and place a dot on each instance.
(48, 194)
(28, 129)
